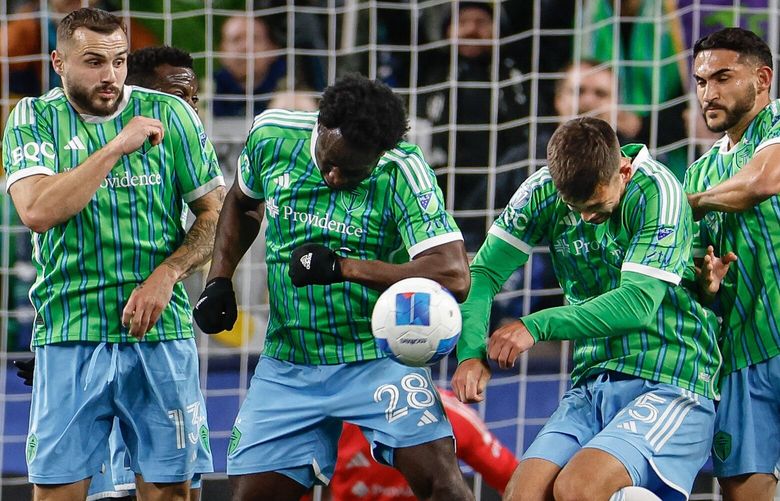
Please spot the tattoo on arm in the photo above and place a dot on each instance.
(198, 243)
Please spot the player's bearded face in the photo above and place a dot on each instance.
(93, 67)
(721, 117)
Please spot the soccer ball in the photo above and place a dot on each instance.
(416, 322)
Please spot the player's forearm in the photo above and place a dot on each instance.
(492, 266)
(46, 201)
(626, 309)
(237, 228)
(448, 267)
(198, 244)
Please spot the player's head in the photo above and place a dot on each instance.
(585, 164)
(733, 72)
(587, 87)
(359, 120)
(166, 69)
(91, 58)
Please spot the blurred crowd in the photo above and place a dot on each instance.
(486, 82)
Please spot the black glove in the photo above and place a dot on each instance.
(26, 369)
(314, 264)
(216, 309)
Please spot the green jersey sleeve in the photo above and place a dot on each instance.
(658, 220)
(526, 220)
(195, 162)
(520, 226)
(418, 204)
(28, 144)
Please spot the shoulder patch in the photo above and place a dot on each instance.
(428, 202)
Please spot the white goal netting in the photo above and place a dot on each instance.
(485, 83)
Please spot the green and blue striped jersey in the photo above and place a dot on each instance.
(750, 292)
(88, 266)
(393, 215)
(650, 234)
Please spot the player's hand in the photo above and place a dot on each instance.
(698, 212)
(509, 342)
(314, 264)
(712, 271)
(470, 380)
(137, 131)
(216, 309)
(147, 303)
(25, 370)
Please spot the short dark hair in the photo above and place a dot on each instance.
(744, 42)
(582, 154)
(369, 114)
(96, 20)
(142, 63)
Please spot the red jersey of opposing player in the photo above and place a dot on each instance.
(359, 478)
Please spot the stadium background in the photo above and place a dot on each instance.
(405, 44)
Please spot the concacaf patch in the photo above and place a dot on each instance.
(428, 202)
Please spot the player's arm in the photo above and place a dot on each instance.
(446, 264)
(150, 298)
(44, 201)
(628, 308)
(238, 226)
(494, 263)
(758, 180)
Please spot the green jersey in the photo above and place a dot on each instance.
(88, 266)
(395, 214)
(750, 292)
(647, 235)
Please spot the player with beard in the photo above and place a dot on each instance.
(735, 188)
(100, 172)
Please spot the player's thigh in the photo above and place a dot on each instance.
(662, 438)
(533, 480)
(159, 405)
(432, 470)
(65, 492)
(751, 487)
(591, 474)
(395, 406)
(283, 424)
(266, 486)
(70, 413)
(747, 424)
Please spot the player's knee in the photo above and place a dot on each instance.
(454, 488)
(570, 486)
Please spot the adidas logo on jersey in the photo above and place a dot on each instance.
(75, 143)
(427, 418)
(570, 219)
(628, 426)
(283, 181)
(306, 261)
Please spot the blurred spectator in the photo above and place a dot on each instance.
(358, 476)
(269, 67)
(483, 102)
(644, 82)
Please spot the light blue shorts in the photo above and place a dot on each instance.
(151, 387)
(292, 417)
(116, 477)
(661, 433)
(747, 425)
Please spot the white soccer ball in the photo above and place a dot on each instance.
(416, 322)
